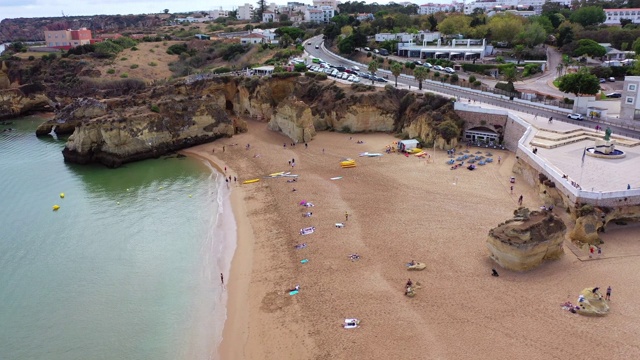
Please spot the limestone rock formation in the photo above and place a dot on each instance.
(151, 120)
(127, 131)
(14, 103)
(70, 116)
(527, 240)
(592, 303)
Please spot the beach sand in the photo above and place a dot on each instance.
(402, 209)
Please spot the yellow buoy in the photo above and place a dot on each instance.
(189, 195)
(56, 207)
(61, 195)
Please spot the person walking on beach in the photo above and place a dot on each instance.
(499, 159)
(222, 279)
(223, 149)
(599, 252)
(520, 200)
(590, 252)
(608, 296)
(535, 117)
(213, 151)
(550, 120)
(235, 179)
(511, 189)
(346, 216)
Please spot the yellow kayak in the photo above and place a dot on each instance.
(250, 181)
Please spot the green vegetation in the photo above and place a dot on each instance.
(133, 66)
(152, 64)
(155, 108)
(578, 83)
(111, 71)
(124, 75)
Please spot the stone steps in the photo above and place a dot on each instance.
(549, 139)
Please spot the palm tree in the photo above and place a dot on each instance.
(510, 75)
(420, 73)
(396, 70)
(373, 67)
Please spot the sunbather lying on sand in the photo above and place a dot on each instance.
(296, 288)
(354, 257)
(301, 246)
(307, 214)
(309, 204)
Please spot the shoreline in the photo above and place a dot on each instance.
(400, 208)
(238, 275)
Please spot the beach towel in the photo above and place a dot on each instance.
(339, 225)
(307, 230)
(304, 261)
(291, 293)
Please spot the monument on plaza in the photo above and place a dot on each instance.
(605, 148)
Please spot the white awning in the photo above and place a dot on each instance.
(454, 53)
(440, 53)
(468, 54)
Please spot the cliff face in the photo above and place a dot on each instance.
(14, 103)
(32, 29)
(526, 241)
(127, 130)
(114, 131)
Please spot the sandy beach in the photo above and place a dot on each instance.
(401, 209)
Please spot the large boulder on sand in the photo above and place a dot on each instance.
(527, 240)
(593, 304)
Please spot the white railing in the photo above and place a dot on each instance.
(576, 195)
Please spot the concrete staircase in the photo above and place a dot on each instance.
(549, 139)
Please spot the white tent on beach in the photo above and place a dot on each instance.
(405, 145)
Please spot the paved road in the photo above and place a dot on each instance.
(466, 94)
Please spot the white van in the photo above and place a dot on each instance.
(355, 68)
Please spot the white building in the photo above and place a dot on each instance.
(431, 8)
(364, 16)
(630, 107)
(245, 12)
(331, 3)
(419, 37)
(252, 39)
(501, 5)
(328, 12)
(314, 15)
(615, 15)
(214, 14)
(268, 16)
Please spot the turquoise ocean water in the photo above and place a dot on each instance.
(127, 268)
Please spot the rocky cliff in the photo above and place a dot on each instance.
(14, 103)
(32, 29)
(527, 240)
(170, 116)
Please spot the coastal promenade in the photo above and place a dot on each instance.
(559, 156)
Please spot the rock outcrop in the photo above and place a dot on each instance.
(14, 103)
(122, 131)
(527, 240)
(592, 303)
(167, 117)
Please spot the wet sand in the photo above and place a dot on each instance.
(401, 209)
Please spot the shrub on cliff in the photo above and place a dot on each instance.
(285, 75)
(221, 70)
(585, 210)
(448, 130)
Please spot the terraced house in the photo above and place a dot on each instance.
(66, 39)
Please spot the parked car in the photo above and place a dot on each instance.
(418, 62)
(344, 76)
(384, 52)
(367, 49)
(341, 68)
(575, 116)
(614, 95)
(438, 67)
(379, 79)
(428, 65)
(355, 68)
(376, 51)
(612, 79)
(449, 70)
(603, 80)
